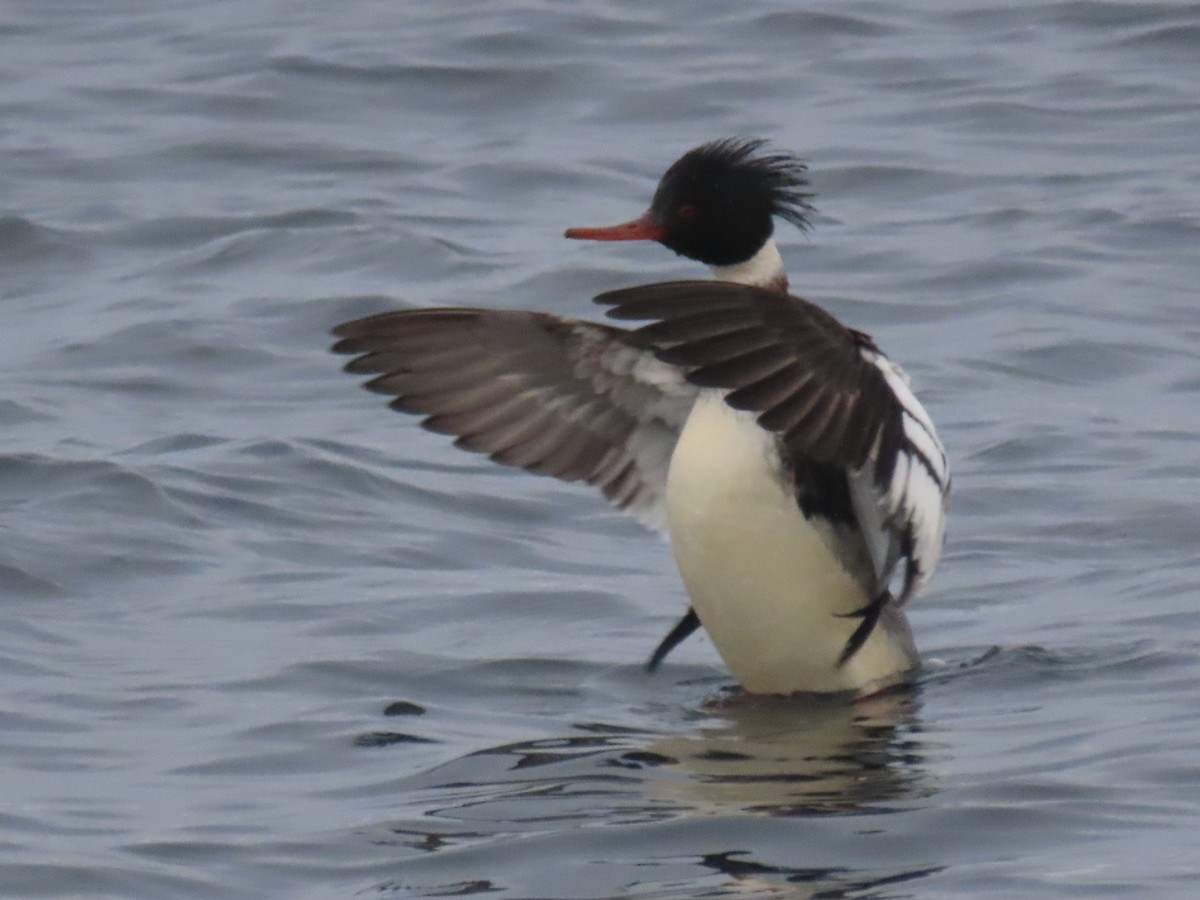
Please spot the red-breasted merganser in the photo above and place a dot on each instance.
(800, 483)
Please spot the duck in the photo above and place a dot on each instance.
(800, 484)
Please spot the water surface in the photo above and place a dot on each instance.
(261, 638)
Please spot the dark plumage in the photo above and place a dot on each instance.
(554, 396)
(785, 359)
(717, 201)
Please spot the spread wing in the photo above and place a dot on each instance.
(576, 400)
(870, 465)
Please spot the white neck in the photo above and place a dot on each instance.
(763, 269)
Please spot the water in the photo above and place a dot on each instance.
(260, 638)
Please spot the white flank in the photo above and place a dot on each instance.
(916, 419)
(761, 577)
(921, 480)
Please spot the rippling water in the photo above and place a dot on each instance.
(260, 638)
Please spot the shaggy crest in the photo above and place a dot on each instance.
(780, 174)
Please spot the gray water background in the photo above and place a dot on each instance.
(261, 638)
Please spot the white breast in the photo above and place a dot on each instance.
(761, 577)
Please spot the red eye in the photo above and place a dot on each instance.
(686, 212)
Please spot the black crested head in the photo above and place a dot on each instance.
(717, 202)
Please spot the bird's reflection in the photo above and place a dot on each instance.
(737, 756)
(741, 754)
(796, 756)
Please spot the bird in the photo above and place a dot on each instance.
(799, 482)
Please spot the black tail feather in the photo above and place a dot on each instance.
(676, 636)
(870, 617)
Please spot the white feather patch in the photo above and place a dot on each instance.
(914, 501)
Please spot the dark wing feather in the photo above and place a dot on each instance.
(841, 410)
(576, 400)
(790, 362)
